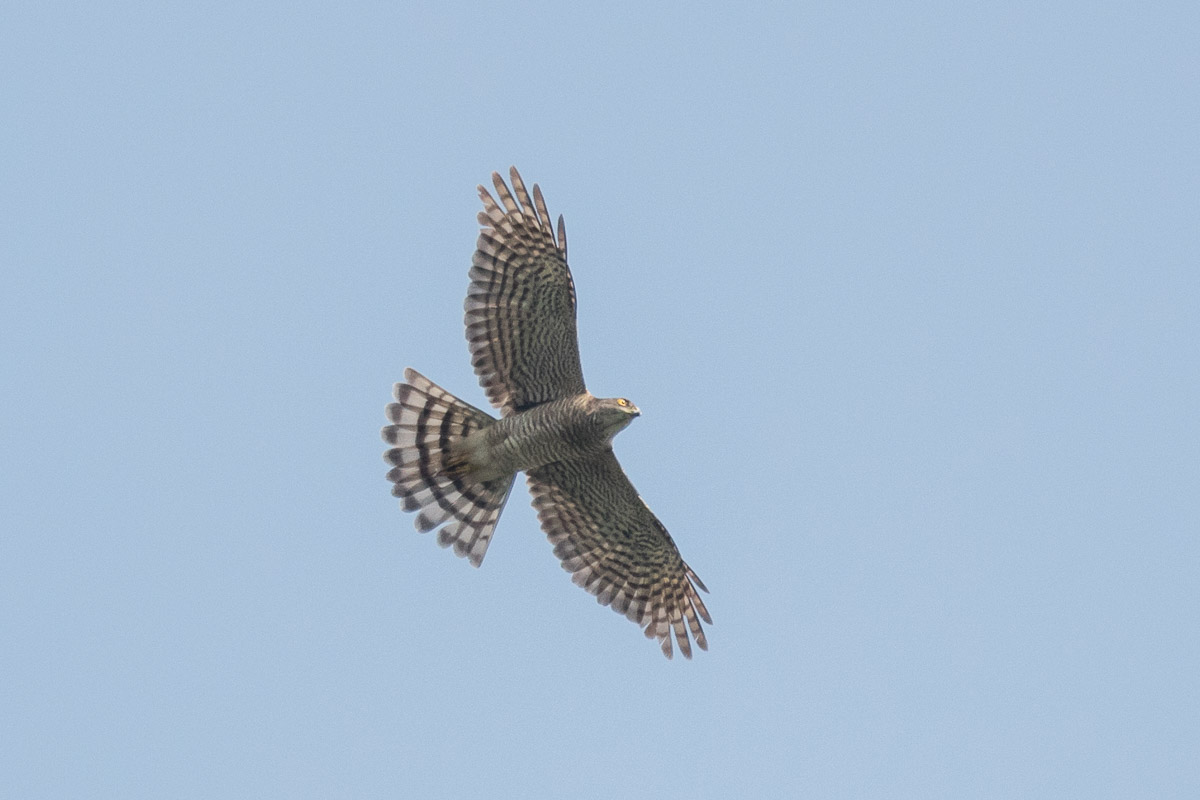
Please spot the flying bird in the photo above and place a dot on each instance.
(455, 464)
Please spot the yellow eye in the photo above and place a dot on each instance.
(622, 401)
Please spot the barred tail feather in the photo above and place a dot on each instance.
(427, 421)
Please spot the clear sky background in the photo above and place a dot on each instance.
(908, 295)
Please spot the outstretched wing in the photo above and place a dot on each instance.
(520, 307)
(617, 549)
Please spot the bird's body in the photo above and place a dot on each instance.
(455, 464)
(573, 427)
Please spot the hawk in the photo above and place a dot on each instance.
(455, 464)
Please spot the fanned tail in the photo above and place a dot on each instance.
(427, 422)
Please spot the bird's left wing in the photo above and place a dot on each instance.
(616, 548)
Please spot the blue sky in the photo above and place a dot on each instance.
(908, 296)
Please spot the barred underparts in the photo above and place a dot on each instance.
(455, 464)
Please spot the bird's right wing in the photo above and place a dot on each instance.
(520, 307)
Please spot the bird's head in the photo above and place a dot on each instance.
(614, 414)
